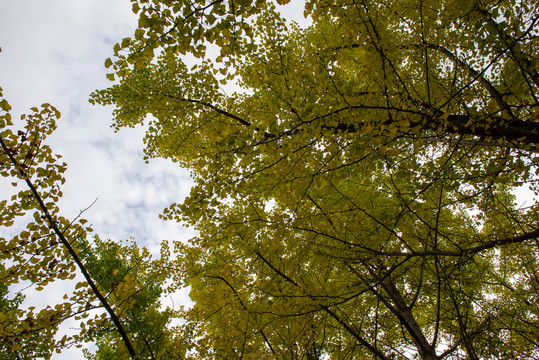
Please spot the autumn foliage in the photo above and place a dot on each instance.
(355, 180)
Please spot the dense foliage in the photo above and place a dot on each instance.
(354, 188)
(354, 192)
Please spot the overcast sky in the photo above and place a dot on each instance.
(53, 51)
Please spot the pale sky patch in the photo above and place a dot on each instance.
(54, 51)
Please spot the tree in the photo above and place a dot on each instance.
(354, 197)
(119, 298)
(33, 255)
(135, 284)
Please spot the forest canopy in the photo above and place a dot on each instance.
(355, 180)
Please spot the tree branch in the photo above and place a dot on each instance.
(60, 234)
(469, 251)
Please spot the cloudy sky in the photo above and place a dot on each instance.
(53, 51)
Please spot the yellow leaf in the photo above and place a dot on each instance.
(404, 123)
(5, 105)
(393, 132)
(416, 129)
(366, 129)
(445, 116)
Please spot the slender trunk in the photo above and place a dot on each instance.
(396, 304)
(407, 319)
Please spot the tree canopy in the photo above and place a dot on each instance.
(355, 180)
(355, 195)
(355, 190)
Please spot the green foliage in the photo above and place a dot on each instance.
(12, 345)
(354, 196)
(134, 284)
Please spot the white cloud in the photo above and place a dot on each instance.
(53, 51)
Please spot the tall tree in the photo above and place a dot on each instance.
(118, 297)
(354, 197)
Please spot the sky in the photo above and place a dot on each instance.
(54, 51)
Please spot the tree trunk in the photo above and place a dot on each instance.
(405, 316)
